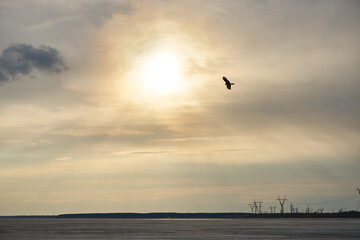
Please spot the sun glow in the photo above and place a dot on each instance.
(162, 74)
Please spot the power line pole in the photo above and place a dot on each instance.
(282, 201)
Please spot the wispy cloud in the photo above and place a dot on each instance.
(48, 24)
(152, 152)
(62, 158)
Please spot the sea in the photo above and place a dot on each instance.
(197, 229)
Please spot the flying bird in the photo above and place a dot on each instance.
(228, 83)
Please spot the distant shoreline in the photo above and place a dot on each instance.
(173, 215)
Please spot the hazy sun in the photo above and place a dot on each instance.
(162, 74)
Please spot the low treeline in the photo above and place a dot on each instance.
(174, 215)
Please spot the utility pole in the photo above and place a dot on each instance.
(282, 201)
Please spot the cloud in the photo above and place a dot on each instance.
(24, 59)
(48, 24)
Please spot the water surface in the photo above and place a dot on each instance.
(204, 229)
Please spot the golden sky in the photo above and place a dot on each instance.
(120, 106)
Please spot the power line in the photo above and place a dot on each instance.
(336, 200)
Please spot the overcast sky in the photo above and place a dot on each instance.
(86, 127)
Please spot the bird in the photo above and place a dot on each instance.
(228, 83)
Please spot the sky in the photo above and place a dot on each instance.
(120, 106)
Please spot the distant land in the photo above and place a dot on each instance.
(174, 215)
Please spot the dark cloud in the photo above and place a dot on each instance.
(24, 59)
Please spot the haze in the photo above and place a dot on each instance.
(120, 106)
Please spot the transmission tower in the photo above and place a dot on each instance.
(308, 210)
(320, 210)
(256, 208)
(259, 206)
(358, 189)
(281, 201)
(252, 206)
(292, 209)
(272, 209)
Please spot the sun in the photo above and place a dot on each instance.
(162, 74)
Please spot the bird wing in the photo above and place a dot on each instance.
(226, 81)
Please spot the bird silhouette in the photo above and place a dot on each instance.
(228, 83)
